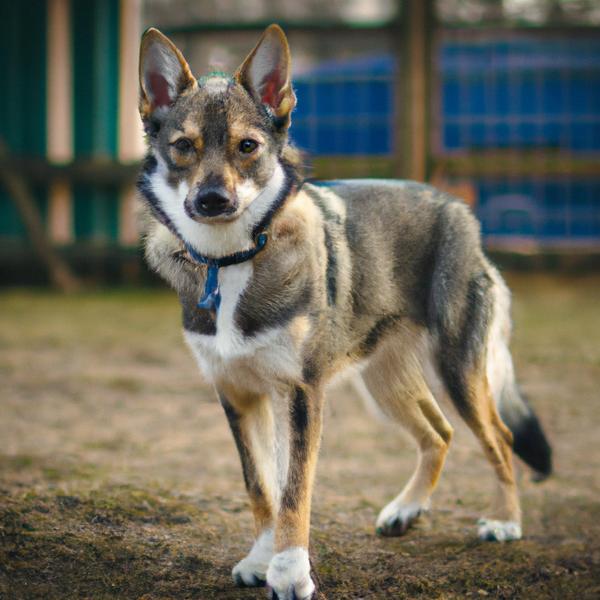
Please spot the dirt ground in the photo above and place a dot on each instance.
(119, 479)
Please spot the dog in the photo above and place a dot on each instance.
(284, 282)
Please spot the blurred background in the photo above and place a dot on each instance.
(497, 101)
(118, 475)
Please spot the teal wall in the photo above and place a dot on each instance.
(95, 39)
(23, 96)
(23, 60)
(96, 213)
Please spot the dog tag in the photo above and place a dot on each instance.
(211, 297)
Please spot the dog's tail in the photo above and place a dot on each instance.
(529, 439)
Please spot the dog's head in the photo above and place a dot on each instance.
(217, 141)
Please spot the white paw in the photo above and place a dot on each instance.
(252, 570)
(396, 517)
(498, 531)
(288, 575)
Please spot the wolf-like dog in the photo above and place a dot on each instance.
(284, 282)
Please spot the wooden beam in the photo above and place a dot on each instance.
(20, 193)
(516, 163)
(318, 26)
(90, 171)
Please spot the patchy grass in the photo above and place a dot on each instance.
(118, 477)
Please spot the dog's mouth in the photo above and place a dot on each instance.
(222, 217)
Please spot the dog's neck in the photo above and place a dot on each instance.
(218, 239)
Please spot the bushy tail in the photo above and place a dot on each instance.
(530, 442)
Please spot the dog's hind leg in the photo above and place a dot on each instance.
(252, 425)
(395, 380)
(464, 333)
(472, 396)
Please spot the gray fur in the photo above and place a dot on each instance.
(413, 254)
(388, 271)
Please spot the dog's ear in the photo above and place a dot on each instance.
(266, 74)
(164, 75)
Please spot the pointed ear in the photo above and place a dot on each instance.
(164, 74)
(266, 74)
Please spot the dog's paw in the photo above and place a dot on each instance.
(288, 575)
(252, 570)
(249, 574)
(396, 518)
(498, 531)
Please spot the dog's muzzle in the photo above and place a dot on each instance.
(211, 202)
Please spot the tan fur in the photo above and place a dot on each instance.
(496, 441)
(395, 379)
(293, 522)
(257, 433)
(230, 177)
(192, 131)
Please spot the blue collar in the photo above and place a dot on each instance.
(211, 297)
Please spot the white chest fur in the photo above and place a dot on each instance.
(261, 363)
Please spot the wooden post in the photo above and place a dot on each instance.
(59, 125)
(412, 89)
(131, 135)
(60, 129)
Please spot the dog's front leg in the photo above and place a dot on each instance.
(251, 421)
(289, 570)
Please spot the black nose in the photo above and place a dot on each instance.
(212, 202)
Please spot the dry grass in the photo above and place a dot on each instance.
(118, 477)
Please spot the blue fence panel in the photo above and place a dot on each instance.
(549, 209)
(345, 107)
(522, 93)
(526, 93)
(545, 92)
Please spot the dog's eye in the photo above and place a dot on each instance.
(184, 145)
(248, 146)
